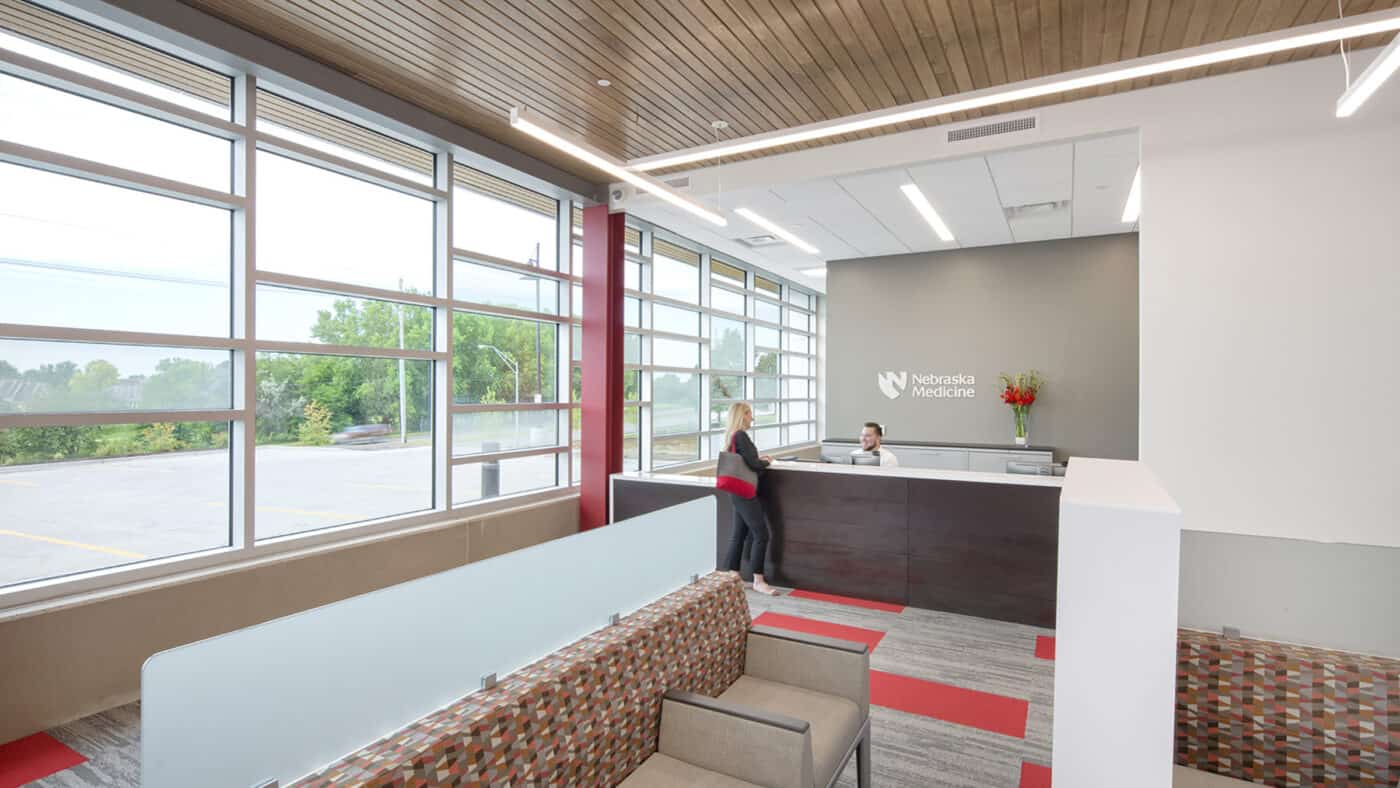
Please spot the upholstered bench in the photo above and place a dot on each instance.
(681, 692)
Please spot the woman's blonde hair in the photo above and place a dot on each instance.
(736, 417)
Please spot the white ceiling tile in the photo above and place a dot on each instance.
(826, 204)
(961, 191)
(1103, 174)
(1040, 225)
(879, 193)
(1033, 175)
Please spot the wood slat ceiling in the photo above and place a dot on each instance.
(762, 65)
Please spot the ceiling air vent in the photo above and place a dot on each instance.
(1034, 209)
(683, 182)
(1026, 123)
(757, 241)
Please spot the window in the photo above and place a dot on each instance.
(675, 272)
(799, 299)
(726, 344)
(486, 479)
(767, 311)
(675, 321)
(726, 273)
(503, 360)
(495, 217)
(484, 284)
(676, 403)
(295, 122)
(674, 353)
(290, 315)
(41, 376)
(727, 300)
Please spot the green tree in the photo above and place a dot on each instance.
(186, 383)
(7, 370)
(315, 430)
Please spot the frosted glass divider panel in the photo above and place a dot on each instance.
(282, 699)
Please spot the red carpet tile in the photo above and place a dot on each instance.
(34, 757)
(811, 626)
(983, 710)
(1033, 775)
(1044, 647)
(847, 600)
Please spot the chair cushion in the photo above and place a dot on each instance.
(663, 771)
(835, 721)
(1185, 777)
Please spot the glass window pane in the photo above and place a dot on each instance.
(290, 315)
(674, 353)
(501, 229)
(317, 223)
(726, 300)
(631, 445)
(79, 253)
(675, 279)
(489, 431)
(798, 320)
(768, 438)
(576, 343)
(296, 122)
(576, 301)
(799, 365)
(767, 311)
(726, 387)
(765, 388)
(798, 411)
(726, 344)
(798, 342)
(575, 384)
(765, 413)
(159, 490)
(675, 403)
(74, 377)
(575, 445)
(632, 312)
(675, 321)
(799, 298)
(765, 361)
(719, 417)
(799, 433)
(632, 275)
(796, 388)
(503, 359)
(766, 337)
(674, 450)
(767, 286)
(43, 117)
(479, 481)
(331, 448)
(482, 284)
(631, 348)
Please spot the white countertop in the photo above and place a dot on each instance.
(860, 470)
(1115, 484)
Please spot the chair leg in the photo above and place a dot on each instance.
(863, 760)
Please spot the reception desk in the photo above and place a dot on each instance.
(980, 544)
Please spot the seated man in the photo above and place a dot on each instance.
(870, 437)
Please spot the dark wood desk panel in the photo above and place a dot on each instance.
(849, 571)
(843, 511)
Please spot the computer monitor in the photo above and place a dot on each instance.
(837, 459)
(865, 458)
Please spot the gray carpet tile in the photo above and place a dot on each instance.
(908, 750)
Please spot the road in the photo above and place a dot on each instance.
(61, 518)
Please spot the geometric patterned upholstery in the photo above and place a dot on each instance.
(1286, 715)
(587, 714)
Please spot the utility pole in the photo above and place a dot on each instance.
(403, 397)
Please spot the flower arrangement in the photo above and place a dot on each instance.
(1019, 392)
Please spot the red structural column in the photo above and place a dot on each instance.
(602, 360)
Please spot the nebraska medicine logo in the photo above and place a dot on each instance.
(927, 385)
(892, 383)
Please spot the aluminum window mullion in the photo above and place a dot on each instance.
(95, 418)
(501, 407)
(88, 169)
(243, 441)
(342, 166)
(102, 336)
(469, 256)
(298, 282)
(505, 311)
(60, 78)
(318, 349)
(443, 380)
(475, 459)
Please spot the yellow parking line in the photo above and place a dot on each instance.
(93, 547)
(18, 483)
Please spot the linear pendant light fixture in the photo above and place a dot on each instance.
(925, 209)
(776, 230)
(1210, 54)
(1385, 64)
(523, 120)
(1132, 207)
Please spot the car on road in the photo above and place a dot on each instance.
(363, 433)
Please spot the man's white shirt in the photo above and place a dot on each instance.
(887, 457)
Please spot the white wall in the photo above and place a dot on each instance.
(1270, 271)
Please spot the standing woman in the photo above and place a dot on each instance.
(749, 519)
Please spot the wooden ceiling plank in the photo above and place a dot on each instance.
(881, 49)
(845, 46)
(984, 15)
(946, 30)
(1028, 22)
(1115, 29)
(971, 45)
(851, 84)
(895, 35)
(922, 62)
(1009, 31)
(1052, 48)
(1072, 34)
(931, 41)
(1152, 30)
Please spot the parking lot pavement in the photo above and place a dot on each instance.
(61, 518)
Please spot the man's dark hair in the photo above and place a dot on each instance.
(875, 425)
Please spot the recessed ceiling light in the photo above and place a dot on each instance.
(921, 204)
(1133, 207)
(1148, 66)
(603, 83)
(818, 273)
(1378, 72)
(776, 230)
(521, 119)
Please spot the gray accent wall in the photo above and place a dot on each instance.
(1068, 308)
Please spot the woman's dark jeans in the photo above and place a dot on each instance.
(749, 522)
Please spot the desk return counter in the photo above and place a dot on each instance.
(979, 544)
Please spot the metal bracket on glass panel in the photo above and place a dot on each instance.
(613, 619)
(488, 681)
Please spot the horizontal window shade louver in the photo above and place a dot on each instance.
(74, 37)
(503, 190)
(726, 270)
(630, 237)
(299, 117)
(674, 252)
